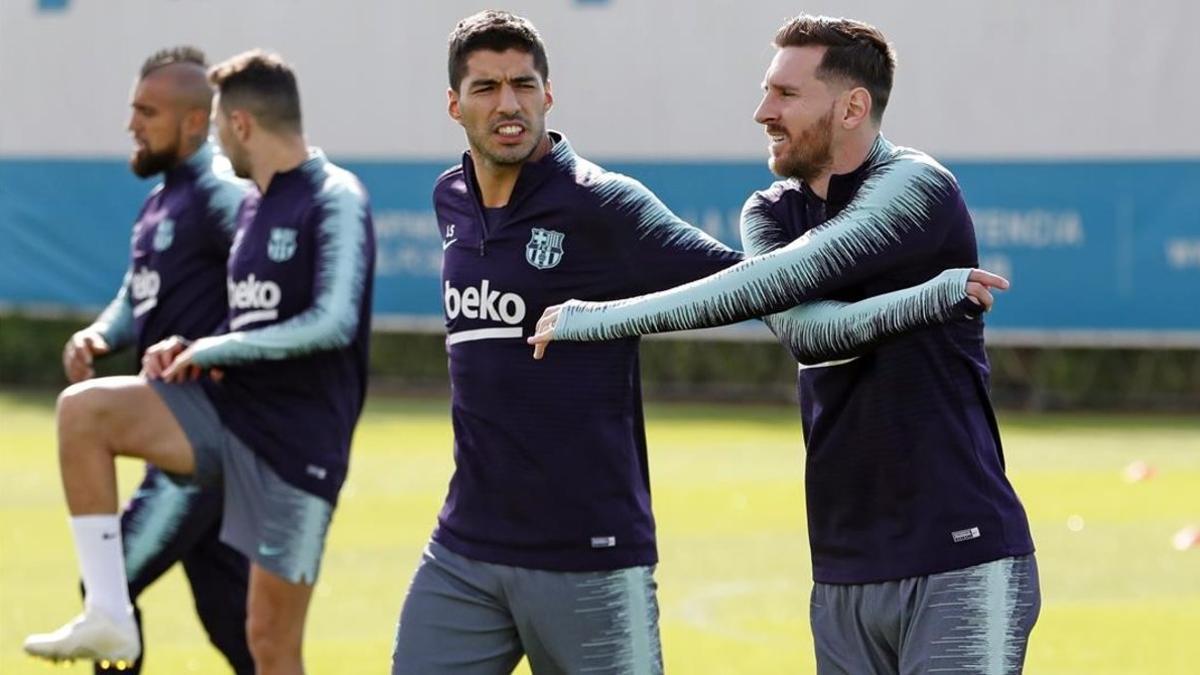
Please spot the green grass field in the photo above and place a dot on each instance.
(734, 576)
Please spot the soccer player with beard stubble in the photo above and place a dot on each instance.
(922, 556)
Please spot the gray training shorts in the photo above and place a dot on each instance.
(278, 526)
(970, 621)
(467, 617)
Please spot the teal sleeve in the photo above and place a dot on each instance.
(890, 222)
(824, 330)
(332, 320)
(115, 323)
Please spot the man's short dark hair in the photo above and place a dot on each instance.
(263, 84)
(173, 55)
(856, 52)
(495, 31)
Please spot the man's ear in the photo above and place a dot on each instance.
(196, 123)
(452, 105)
(242, 123)
(858, 108)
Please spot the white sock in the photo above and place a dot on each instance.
(102, 564)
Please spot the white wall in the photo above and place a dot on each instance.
(661, 79)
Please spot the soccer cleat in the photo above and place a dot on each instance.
(91, 635)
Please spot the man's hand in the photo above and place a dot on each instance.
(182, 369)
(979, 283)
(79, 353)
(167, 359)
(544, 332)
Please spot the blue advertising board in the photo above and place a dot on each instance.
(1098, 252)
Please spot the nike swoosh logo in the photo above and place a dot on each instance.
(108, 535)
(446, 244)
(269, 551)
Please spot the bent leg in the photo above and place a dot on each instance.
(97, 421)
(101, 419)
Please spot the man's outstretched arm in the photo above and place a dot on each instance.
(803, 270)
(826, 330)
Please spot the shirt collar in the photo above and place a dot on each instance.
(842, 187)
(559, 160)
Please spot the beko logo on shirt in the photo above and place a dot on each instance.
(483, 303)
(144, 286)
(261, 297)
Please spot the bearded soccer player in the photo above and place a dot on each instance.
(175, 285)
(922, 556)
(545, 546)
(273, 424)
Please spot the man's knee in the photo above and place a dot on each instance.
(79, 405)
(83, 412)
(124, 416)
(103, 400)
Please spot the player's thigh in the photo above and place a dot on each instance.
(454, 620)
(570, 622)
(974, 620)
(130, 417)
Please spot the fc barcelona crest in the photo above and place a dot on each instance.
(282, 245)
(164, 234)
(544, 249)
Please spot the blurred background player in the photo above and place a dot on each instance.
(546, 544)
(921, 550)
(274, 427)
(175, 285)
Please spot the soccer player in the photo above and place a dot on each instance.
(267, 408)
(921, 550)
(175, 285)
(545, 546)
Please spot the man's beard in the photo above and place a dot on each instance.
(811, 154)
(145, 163)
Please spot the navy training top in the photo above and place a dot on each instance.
(299, 282)
(905, 468)
(550, 456)
(175, 282)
